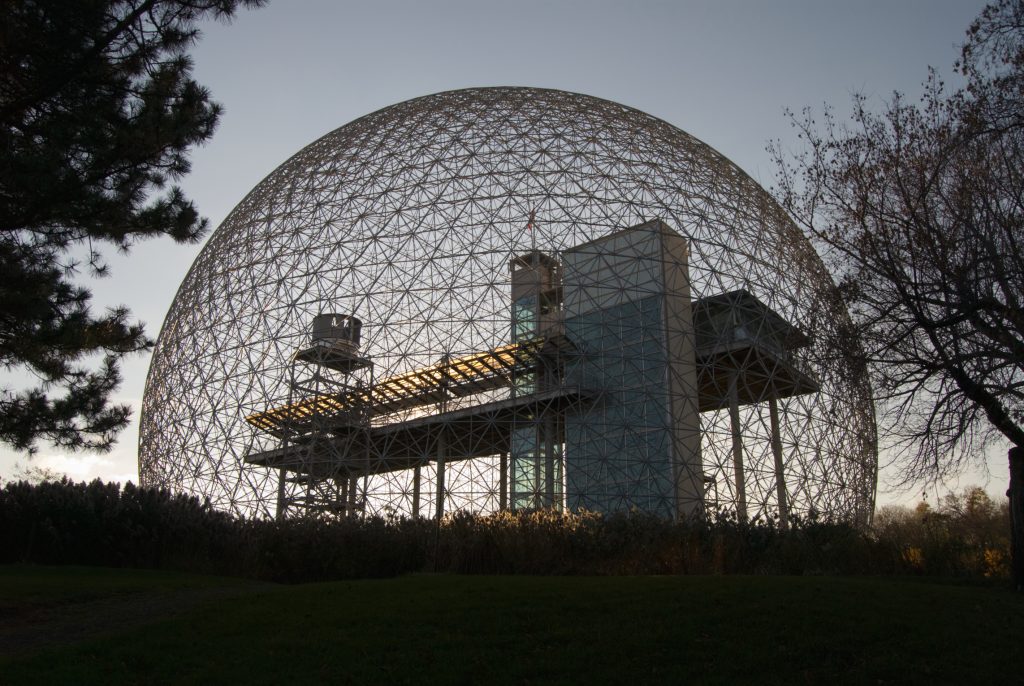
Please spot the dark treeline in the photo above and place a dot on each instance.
(62, 522)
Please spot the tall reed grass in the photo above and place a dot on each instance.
(62, 522)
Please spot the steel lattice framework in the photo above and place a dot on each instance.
(418, 220)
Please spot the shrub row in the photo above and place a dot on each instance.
(63, 522)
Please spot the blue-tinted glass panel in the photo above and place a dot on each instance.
(618, 453)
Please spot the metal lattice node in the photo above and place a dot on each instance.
(543, 300)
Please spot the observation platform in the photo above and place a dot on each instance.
(742, 341)
(433, 385)
(477, 431)
(342, 358)
(743, 356)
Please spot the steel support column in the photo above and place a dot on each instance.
(503, 482)
(442, 448)
(416, 478)
(737, 451)
(780, 474)
(549, 460)
(280, 494)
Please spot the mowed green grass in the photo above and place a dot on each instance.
(542, 630)
(30, 585)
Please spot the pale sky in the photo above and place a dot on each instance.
(722, 70)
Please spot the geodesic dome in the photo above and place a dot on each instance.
(411, 219)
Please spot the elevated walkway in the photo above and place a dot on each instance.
(470, 432)
(433, 385)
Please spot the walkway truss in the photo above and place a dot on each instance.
(519, 299)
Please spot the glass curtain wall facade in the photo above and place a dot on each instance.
(626, 301)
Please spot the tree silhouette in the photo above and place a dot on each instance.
(920, 211)
(98, 112)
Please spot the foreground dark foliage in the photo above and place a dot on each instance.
(64, 522)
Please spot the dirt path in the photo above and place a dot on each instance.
(27, 629)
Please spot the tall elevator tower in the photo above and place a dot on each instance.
(537, 444)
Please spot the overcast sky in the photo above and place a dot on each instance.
(723, 71)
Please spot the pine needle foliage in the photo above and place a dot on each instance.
(98, 113)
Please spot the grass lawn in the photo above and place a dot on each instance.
(32, 586)
(524, 630)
